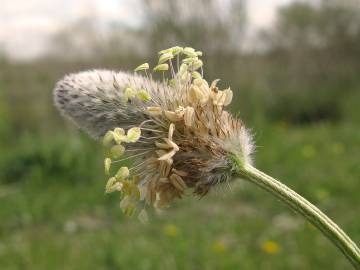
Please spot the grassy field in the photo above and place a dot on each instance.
(54, 213)
(296, 83)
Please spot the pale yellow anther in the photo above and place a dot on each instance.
(117, 151)
(196, 75)
(119, 135)
(143, 95)
(129, 93)
(107, 165)
(108, 138)
(161, 67)
(190, 52)
(190, 61)
(197, 64)
(144, 66)
(122, 173)
(119, 131)
(183, 68)
(166, 51)
(113, 185)
(165, 57)
(176, 50)
(133, 134)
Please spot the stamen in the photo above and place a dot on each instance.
(129, 157)
(152, 130)
(137, 166)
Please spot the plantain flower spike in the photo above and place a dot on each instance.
(176, 133)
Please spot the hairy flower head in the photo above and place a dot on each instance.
(176, 131)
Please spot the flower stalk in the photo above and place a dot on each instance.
(303, 207)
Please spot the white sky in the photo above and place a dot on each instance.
(26, 25)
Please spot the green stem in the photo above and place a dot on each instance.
(305, 208)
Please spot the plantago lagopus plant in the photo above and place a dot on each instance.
(177, 135)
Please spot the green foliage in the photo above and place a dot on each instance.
(45, 160)
(315, 50)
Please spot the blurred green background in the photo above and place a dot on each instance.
(296, 84)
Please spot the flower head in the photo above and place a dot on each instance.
(176, 132)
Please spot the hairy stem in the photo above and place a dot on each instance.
(300, 205)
